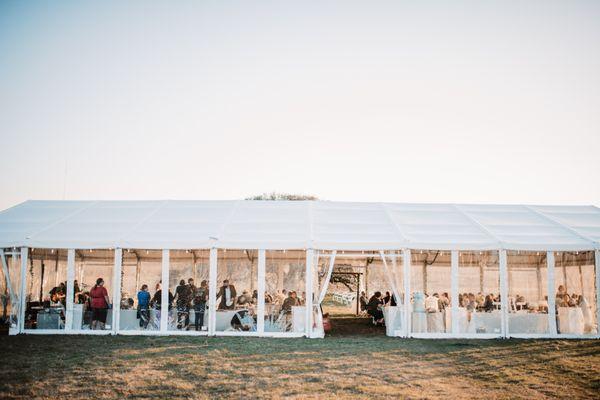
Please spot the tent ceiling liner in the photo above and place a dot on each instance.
(243, 224)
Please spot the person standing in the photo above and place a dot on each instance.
(200, 299)
(193, 287)
(100, 303)
(227, 295)
(183, 298)
(364, 300)
(143, 308)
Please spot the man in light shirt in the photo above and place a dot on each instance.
(227, 294)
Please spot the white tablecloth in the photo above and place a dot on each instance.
(435, 322)
(394, 319)
(298, 318)
(523, 322)
(570, 320)
(419, 322)
(482, 322)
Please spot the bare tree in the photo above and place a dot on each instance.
(282, 196)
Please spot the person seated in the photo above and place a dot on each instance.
(242, 321)
(374, 308)
(432, 303)
(444, 301)
(244, 299)
(386, 298)
(573, 300)
(488, 304)
(566, 300)
(268, 298)
(471, 303)
(479, 299)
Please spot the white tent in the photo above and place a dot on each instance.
(314, 229)
(296, 225)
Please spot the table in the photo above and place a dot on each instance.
(435, 322)
(570, 320)
(394, 319)
(419, 322)
(49, 320)
(298, 318)
(523, 322)
(485, 322)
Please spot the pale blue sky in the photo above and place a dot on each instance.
(495, 101)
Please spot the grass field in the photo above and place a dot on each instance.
(365, 365)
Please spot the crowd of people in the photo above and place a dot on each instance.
(188, 297)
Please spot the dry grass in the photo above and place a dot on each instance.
(359, 366)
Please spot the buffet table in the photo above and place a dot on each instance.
(485, 322)
(523, 322)
(570, 320)
(394, 319)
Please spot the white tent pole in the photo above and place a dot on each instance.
(164, 300)
(598, 292)
(22, 299)
(389, 276)
(551, 297)
(504, 292)
(70, 289)
(212, 291)
(260, 322)
(116, 307)
(407, 305)
(454, 291)
(309, 292)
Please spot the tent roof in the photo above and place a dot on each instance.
(247, 224)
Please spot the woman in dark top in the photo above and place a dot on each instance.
(488, 304)
(373, 308)
(386, 298)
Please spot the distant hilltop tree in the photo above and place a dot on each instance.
(282, 196)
